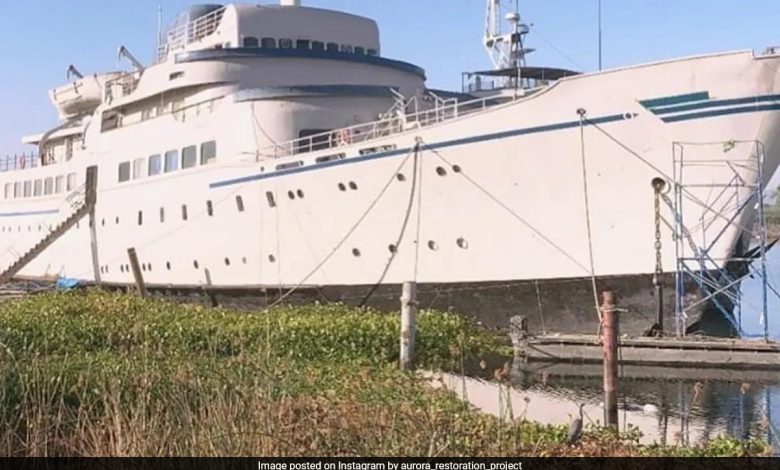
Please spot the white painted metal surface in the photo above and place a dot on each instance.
(499, 185)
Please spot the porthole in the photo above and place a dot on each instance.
(143, 267)
(342, 187)
(184, 212)
(271, 200)
(195, 264)
(210, 208)
(121, 268)
(168, 265)
(243, 260)
(149, 266)
(356, 253)
(117, 220)
(400, 177)
(392, 249)
(300, 193)
(272, 258)
(140, 218)
(433, 245)
(291, 195)
(457, 168)
(103, 222)
(462, 243)
(240, 203)
(441, 171)
(353, 186)
(227, 261)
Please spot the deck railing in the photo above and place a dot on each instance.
(390, 125)
(178, 37)
(19, 162)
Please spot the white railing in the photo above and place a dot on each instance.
(390, 125)
(178, 37)
(19, 162)
(120, 86)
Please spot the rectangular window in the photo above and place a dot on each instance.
(138, 168)
(189, 157)
(59, 184)
(268, 43)
(333, 47)
(208, 152)
(27, 188)
(9, 190)
(162, 215)
(184, 212)
(155, 165)
(209, 208)
(38, 188)
(140, 217)
(360, 50)
(373, 52)
(17, 190)
(303, 44)
(271, 200)
(124, 172)
(71, 183)
(318, 46)
(48, 183)
(346, 48)
(171, 161)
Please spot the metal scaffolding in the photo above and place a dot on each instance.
(718, 208)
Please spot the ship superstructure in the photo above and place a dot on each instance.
(274, 148)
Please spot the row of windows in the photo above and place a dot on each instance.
(306, 44)
(40, 187)
(168, 162)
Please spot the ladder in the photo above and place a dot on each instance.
(84, 209)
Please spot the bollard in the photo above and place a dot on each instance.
(408, 324)
(136, 267)
(609, 340)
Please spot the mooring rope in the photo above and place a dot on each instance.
(594, 286)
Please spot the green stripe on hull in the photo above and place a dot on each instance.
(677, 99)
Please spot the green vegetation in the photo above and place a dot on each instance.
(107, 374)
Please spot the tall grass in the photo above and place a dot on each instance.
(101, 374)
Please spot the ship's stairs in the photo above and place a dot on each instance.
(83, 209)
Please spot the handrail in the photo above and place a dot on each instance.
(444, 110)
(178, 37)
(19, 162)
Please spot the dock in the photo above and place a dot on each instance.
(699, 352)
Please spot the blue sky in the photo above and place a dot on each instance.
(40, 38)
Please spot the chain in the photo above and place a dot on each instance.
(658, 266)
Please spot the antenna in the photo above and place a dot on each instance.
(159, 29)
(600, 43)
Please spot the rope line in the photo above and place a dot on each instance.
(594, 286)
(511, 212)
(404, 225)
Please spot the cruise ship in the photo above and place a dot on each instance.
(275, 151)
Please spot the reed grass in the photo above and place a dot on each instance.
(102, 374)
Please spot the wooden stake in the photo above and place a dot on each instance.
(136, 267)
(609, 339)
(408, 324)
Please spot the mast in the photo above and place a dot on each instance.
(505, 49)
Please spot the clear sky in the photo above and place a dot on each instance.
(40, 38)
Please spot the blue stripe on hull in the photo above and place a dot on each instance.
(677, 99)
(437, 145)
(717, 104)
(722, 112)
(22, 214)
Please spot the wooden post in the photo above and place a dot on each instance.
(136, 267)
(408, 324)
(609, 340)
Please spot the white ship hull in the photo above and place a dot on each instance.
(500, 194)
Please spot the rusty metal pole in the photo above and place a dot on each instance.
(609, 339)
(408, 324)
(136, 267)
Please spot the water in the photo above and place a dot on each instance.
(668, 405)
